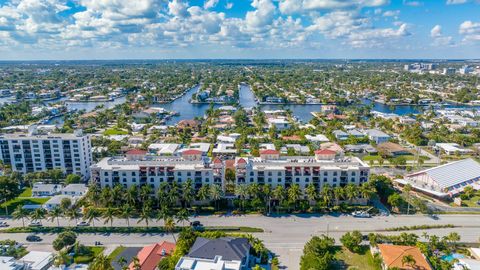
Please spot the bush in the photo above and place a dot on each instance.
(318, 253)
(352, 241)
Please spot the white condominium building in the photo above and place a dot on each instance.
(34, 152)
(139, 169)
(324, 168)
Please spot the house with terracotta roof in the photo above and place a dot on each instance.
(392, 256)
(151, 255)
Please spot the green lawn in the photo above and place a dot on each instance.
(116, 252)
(85, 259)
(115, 131)
(349, 260)
(12, 204)
(26, 193)
(472, 202)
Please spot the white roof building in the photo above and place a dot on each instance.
(446, 180)
(56, 200)
(187, 263)
(9, 263)
(75, 190)
(452, 148)
(317, 138)
(163, 149)
(38, 260)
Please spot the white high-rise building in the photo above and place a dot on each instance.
(34, 152)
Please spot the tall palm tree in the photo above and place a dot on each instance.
(55, 213)
(20, 213)
(326, 194)
(242, 192)
(73, 214)
(131, 195)
(267, 195)
(38, 214)
(91, 214)
(109, 215)
(172, 195)
(351, 192)
(203, 193)
(253, 190)
(145, 192)
(311, 192)
(170, 227)
(216, 194)
(338, 194)
(278, 194)
(101, 262)
(118, 194)
(136, 263)
(188, 193)
(126, 213)
(145, 215)
(294, 194)
(182, 216)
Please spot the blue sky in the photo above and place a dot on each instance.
(165, 29)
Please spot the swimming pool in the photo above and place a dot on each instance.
(452, 256)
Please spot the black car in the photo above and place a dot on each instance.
(34, 238)
(195, 223)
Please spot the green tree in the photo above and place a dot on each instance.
(352, 241)
(170, 227)
(216, 194)
(72, 179)
(20, 213)
(101, 262)
(55, 213)
(64, 239)
(294, 194)
(145, 215)
(126, 212)
(408, 260)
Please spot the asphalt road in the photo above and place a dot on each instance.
(284, 235)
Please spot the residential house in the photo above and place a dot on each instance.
(45, 190)
(392, 257)
(150, 256)
(377, 136)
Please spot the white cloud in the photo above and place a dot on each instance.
(210, 4)
(470, 30)
(178, 8)
(391, 13)
(229, 5)
(456, 2)
(412, 3)
(436, 31)
(301, 6)
(261, 17)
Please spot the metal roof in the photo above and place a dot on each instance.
(454, 173)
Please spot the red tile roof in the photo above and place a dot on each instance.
(136, 152)
(217, 161)
(150, 256)
(241, 161)
(229, 163)
(269, 152)
(325, 152)
(191, 152)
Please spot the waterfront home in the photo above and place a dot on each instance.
(279, 123)
(192, 124)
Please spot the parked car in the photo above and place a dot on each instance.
(33, 238)
(195, 223)
(83, 224)
(361, 214)
(35, 223)
(3, 224)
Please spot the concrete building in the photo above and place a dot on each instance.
(154, 170)
(321, 169)
(33, 152)
(377, 136)
(38, 260)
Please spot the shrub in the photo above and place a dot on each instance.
(352, 241)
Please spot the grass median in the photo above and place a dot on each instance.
(124, 229)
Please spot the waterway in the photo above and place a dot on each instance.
(247, 99)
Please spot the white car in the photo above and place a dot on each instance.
(3, 224)
(35, 223)
(82, 224)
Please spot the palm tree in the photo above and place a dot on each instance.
(145, 192)
(182, 216)
(91, 214)
(109, 215)
(170, 227)
(367, 191)
(407, 188)
(253, 190)
(145, 214)
(351, 192)
(338, 194)
(203, 193)
(20, 213)
(278, 194)
(38, 214)
(101, 262)
(136, 263)
(131, 195)
(311, 192)
(122, 262)
(216, 194)
(267, 194)
(126, 212)
(55, 213)
(409, 261)
(294, 194)
(188, 193)
(73, 213)
(326, 194)
(242, 192)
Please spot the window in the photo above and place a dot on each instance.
(334, 173)
(279, 180)
(179, 174)
(251, 180)
(279, 173)
(325, 173)
(297, 180)
(251, 173)
(133, 174)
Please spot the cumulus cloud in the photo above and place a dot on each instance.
(297, 6)
(262, 16)
(210, 4)
(470, 30)
(438, 38)
(412, 3)
(436, 31)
